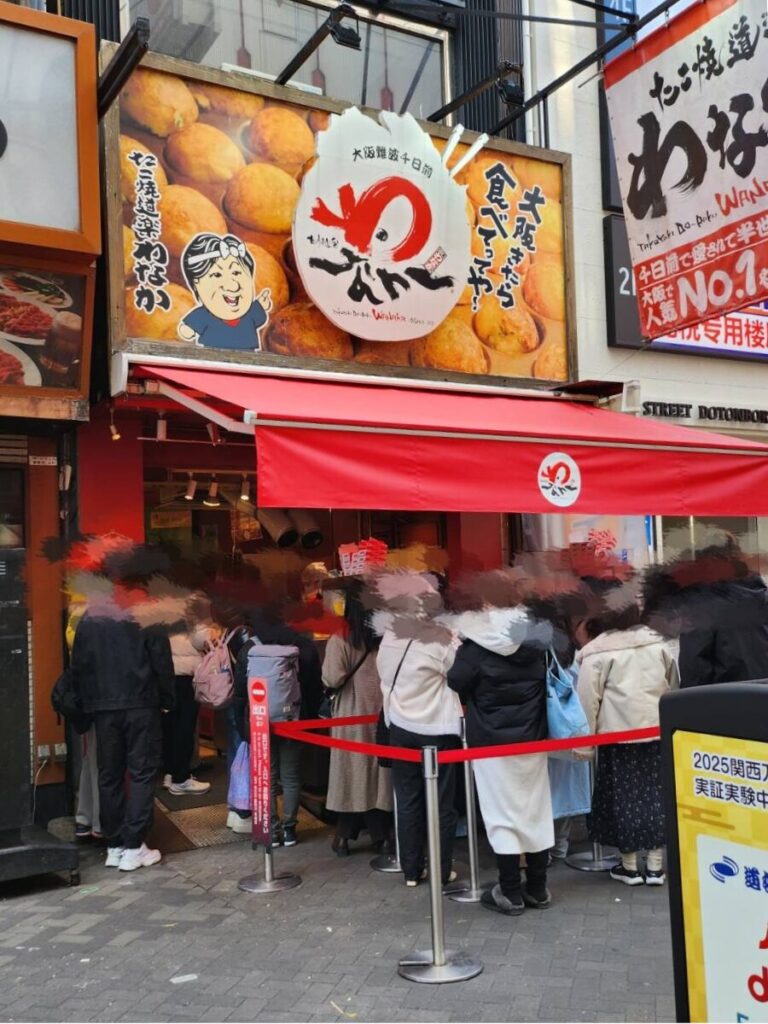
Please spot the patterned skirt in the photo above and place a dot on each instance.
(627, 805)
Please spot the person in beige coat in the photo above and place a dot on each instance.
(359, 790)
(624, 671)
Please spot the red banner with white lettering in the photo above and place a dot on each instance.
(260, 763)
(687, 108)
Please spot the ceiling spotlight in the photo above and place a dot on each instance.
(189, 494)
(112, 428)
(245, 489)
(213, 433)
(212, 499)
(161, 432)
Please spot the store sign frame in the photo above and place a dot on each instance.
(135, 346)
(694, 192)
(48, 264)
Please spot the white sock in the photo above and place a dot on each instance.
(655, 860)
(629, 860)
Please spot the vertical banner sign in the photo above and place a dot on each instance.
(689, 118)
(260, 763)
(722, 817)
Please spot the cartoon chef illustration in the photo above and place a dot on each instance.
(219, 272)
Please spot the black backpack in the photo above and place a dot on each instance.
(66, 703)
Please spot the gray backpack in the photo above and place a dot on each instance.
(278, 666)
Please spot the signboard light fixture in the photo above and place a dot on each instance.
(332, 27)
(121, 67)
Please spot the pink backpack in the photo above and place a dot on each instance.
(213, 681)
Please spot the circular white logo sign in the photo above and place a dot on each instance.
(381, 235)
(559, 479)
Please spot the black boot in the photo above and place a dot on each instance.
(535, 892)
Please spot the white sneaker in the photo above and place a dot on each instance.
(167, 780)
(131, 860)
(243, 826)
(114, 853)
(189, 788)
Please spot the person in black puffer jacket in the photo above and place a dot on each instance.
(500, 674)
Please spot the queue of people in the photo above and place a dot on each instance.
(412, 655)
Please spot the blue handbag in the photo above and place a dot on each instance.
(239, 794)
(565, 715)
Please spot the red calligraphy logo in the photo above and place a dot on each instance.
(359, 218)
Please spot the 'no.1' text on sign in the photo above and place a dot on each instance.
(260, 763)
(689, 119)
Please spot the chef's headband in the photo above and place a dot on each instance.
(224, 250)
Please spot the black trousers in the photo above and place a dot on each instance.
(127, 742)
(350, 824)
(179, 731)
(535, 874)
(408, 781)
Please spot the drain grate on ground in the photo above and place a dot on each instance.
(205, 826)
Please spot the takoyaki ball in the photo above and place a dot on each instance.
(530, 173)
(202, 153)
(302, 330)
(269, 274)
(279, 136)
(319, 120)
(129, 170)
(228, 102)
(552, 362)
(544, 289)
(383, 353)
(549, 233)
(159, 102)
(511, 331)
(451, 346)
(161, 324)
(185, 212)
(128, 242)
(262, 197)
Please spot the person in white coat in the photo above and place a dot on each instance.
(624, 671)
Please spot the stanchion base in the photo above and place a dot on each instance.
(585, 861)
(255, 883)
(387, 863)
(458, 966)
(463, 894)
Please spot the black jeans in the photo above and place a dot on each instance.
(408, 781)
(127, 741)
(535, 874)
(350, 824)
(285, 758)
(179, 731)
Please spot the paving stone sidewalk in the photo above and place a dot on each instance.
(180, 942)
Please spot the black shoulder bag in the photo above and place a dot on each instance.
(382, 729)
(330, 694)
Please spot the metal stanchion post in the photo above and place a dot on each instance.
(270, 882)
(387, 862)
(436, 965)
(596, 859)
(469, 893)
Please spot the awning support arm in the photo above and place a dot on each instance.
(208, 413)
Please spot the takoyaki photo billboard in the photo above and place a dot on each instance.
(257, 224)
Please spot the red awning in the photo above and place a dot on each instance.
(339, 445)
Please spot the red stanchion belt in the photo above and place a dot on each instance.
(306, 732)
